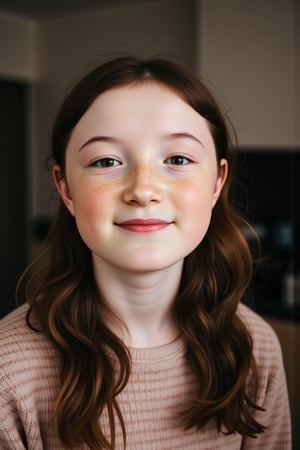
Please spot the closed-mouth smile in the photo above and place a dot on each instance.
(139, 225)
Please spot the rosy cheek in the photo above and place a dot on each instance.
(87, 207)
(195, 193)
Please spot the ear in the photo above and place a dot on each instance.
(62, 187)
(222, 176)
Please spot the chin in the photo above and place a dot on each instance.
(147, 265)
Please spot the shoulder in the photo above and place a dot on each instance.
(262, 333)
(271, 393)
(266, 346)
(29, 381)
(257, 325)
(16, 336)
(14, 331)
(23, 350)
(14, 321)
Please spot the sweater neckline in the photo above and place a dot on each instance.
(163, 352)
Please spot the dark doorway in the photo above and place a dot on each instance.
(13, 195)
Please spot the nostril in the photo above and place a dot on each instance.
(142, 196)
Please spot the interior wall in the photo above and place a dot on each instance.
(70, 45)
(18, 58)
(248, 54)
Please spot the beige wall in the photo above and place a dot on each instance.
(249, 52)
(18, 58)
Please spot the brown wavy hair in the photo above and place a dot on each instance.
(63, 296)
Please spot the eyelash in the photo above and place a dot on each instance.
(105, 162)
(176, 160)
(183, 160)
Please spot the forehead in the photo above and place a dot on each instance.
(144, 99)
(147, 92)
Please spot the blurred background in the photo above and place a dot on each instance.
(248, 55)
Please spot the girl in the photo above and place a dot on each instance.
(134, 335)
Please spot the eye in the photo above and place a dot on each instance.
(106, 162)
(178, 160)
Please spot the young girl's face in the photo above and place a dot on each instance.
(142, 178)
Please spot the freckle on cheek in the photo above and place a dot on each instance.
(103, 187)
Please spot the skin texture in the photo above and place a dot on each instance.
(141, 181)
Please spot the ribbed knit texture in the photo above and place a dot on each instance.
(161, 384)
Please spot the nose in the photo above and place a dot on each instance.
(144, 186)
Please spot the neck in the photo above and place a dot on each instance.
(142, 301)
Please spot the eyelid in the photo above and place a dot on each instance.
(106, 158)
(187, 159)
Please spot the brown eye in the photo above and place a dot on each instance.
(106, 162)
(178, 160)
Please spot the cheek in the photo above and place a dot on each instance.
(195, 196)
(88, 198)
(197, 211)
(195, 204)
(91, 207)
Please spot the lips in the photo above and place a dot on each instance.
(143, 225)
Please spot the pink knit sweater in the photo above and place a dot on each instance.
(160, 384)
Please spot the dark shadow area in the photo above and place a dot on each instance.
(266, 193)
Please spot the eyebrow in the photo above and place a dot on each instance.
(117, 141)
(184, 135)
(100, 139)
